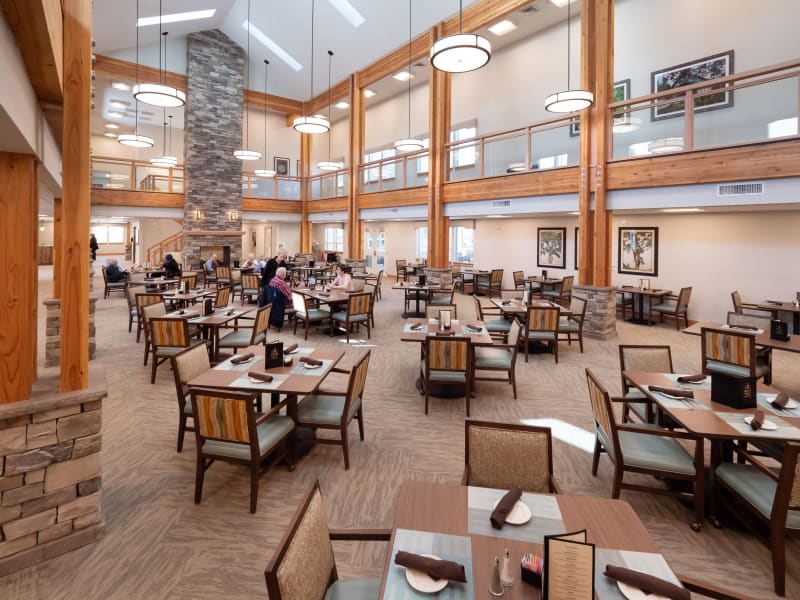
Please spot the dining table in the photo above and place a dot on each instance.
(639, 294)
(182, 299)
(543, 282)
(212, 323)
(416, 330)
(418, 293)
(452, 522)
(516, 307)
(776, 306)
(762, 336)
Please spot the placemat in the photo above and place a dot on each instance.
(245, 382)
(783, 432)
(545, 520)
(764, 402)
(646, 562)
(300, 368)
(407, 328)
(705, 385)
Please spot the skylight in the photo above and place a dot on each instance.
(348, 12)
(271, 45)
(177, 17)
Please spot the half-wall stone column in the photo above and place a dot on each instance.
(212, 131)
(601, 310)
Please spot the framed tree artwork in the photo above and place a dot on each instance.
(552, 246)
(281, 165)
(622, 91)
(637, 251)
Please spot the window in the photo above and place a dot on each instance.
(109, 234)
(386, 172)
(550, 162)
(462, 244)
(334, 239)
(422, 242)
(461, 157)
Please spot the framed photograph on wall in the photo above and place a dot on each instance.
(637, 251)
(622, 91)
(552, 247)
(576, 248)
(281, 165)
(696, 71)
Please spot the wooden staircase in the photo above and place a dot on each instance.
(157, 252)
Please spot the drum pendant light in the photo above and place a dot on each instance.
(135, 140)
(265, 172)
(460, 52)
(408, 144)
(569, 100)
(316, 123)
(159, 94)
(329, 165)
(245, 153)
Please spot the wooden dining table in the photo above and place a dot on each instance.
(430, 326)
(638, 306)
(762, 336)
(420, 293)
(776, 306)
(452, 522)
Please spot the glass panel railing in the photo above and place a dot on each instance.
(111, 175)
(177, 180)
(288, 189)
(417, 170)
(558, 146)
(465, 160)
(152, 179)
(636, 134)
(503, 155)
(393, 173)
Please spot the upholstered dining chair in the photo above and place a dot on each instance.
(249, 336)
(648, 358)
(733, 353)
(519, 280)
(624, 302)
(572, 324)
(497, 327)
(168, 336)
(674, 307)
(115, 286)
(146, 312)
(490, 285)
(432, 312)
(189, 278)
(447, 360)
(223, 276)
(499, 357)
(186, 365)
(250, 287)
(402, 269)
(645, 449)
(307, 314)
(222, 296)
(506, 455)
(304, 566)
(738, 305)
(133, 312)
(227, 428)
(356, 313)
(375, 284)
(336, 409)
(772, 496)
(541, 325)
(561, 291)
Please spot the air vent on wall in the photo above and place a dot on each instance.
(529, 9)
(394, 210)
(501, 203)
(754, 188)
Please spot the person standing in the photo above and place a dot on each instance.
(280, 296)
(93, 246)
(268, 272)
(171, 267)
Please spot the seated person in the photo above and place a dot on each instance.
(259, 266)
(113, 271)
(211, 264)
(280, 295)
(343, 280)
(171, 267)
(250, 262)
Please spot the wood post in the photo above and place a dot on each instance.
(439, 101)
(305, 191)
(76, 195)
(19, 230)
(57, 248)
(355, 237)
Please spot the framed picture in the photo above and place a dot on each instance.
(281, 165)
(622, 91)
(576, 248)
(297, 173)
(696, 71)
(552, 246)
(637, 251)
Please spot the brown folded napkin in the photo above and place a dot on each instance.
(506, 303)
(260, 376)
(230, 312)
(240, 358)
(181, 311)
(437, 569)
(416, 326)
(780, 400)
(647, 583)
(507, 502)
(758, 420)
(691, 378)
(671, 391)
(310, 361)
(474, 328)
(291, 348)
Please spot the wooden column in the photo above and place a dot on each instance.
(439, 119)
(57, 248)
(305, 191)
(19, 231)
(75, 193)
(355, 235)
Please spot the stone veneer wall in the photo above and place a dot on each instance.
(49, 475)
(52, 335)
(212, 131)
(601, 310)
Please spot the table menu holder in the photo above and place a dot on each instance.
(421, 280)
(208, 307)
(526, 297)
(644, 284)
(273, 355)
(186, 287)
(568, 567)
(444, 320)
(736, 392)
(544, 274)
(779, 330)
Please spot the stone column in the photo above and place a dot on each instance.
(601, 310)
(52, 336)
(212, 131)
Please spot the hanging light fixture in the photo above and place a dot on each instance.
(408, 144)
(134, 139)
(569, 100)
(159, 94)
(329, 165)
(244, 153)
(265, 172)
(460, 52)
(316, 123)
(167, 160)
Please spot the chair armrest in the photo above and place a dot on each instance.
(329, 392)
(554, 487)
(741, 451)
(369, 535)
(338, 370)
(707, 589)
(621, 399)
(275, 409)
(660, 432)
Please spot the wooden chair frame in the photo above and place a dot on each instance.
(467, 370)
(577, 318)
(552, 343)
(353, 301)
(184, 394)
(625, 365)
(305, 308)
(681, 308)
(513, 347)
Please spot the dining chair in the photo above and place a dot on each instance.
(402, 269)
(519, 280)
(673, 307)
(356, 313)
(336, 409)
(236, 284)
(133, 311)
(733, 353)
(113, 286)
(306, 314)
(222, 296)
(146, 312)
(227, 428)
(189, 278)
(432, 311)
(250, 288)
(303, 566)
(541, 325)
(772, 495)
(647, 358)
(645, 449)
(441, 297)
(499, 357)
(738, 305)
(490, 285)
(376, 285)
(761, 319)
(168, 336)
(624, 302)
(447, 360)
(497, 327)
(507, 455)
(249, 336)
(209, 277)
(572, 324)
(186, 365)
(223, 276)
(561, 291)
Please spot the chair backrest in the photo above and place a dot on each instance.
(358, 304)
(519, 278)
(261, 324)
(653, 359)
(577, 306)
(683, 299)
(566, 284)
(358, 284)
(303, 565)
(380, 279)
(496, 277)
(165, 331)
(478, 307)
(543, 318)
(504, 455)
(737, 301)
(355, 386)
(192, 279)
(604, 423)
(105, 275)
(299, 302)
(149, 311)
(788, 492)
(741, 319)
(250, 281)
(223, 273)
(236, 275)
(222, 296)
(143, 299)
(130, 293)
(432, 310)
(400, 262)
(224, 415)
(729, 347)
(188, 364)
(513, 338)
(447, 354)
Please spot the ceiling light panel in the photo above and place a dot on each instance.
(271, 45)
(342, 104)
(503, 27)
(403, 76)
(348, 12)
(177, 17)
(368, 93)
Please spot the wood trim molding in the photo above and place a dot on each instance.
(539, 183)
(105, 197)
(335, 204)
(207, 232)
(272, 205)
(388, 199)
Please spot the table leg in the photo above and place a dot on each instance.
(639, 319)
(796, 319)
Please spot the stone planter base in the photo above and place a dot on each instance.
(601, 310)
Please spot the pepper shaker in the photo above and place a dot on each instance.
(495, 587)
(506, 578)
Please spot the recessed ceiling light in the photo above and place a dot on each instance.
(403, 76)
(681, 210)
(118, 104)
(271, 45)
(368, 93)
(574, 212)
(114, 113)
(342, 104)
(176, 17)
(348, 12)
(561, 3)
(118, 85)
(503, 27)
(498, 216)
(112, 126)
(111, 135)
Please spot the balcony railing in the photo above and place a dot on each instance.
(394, 173)
(124, 174)
(279, 187)
(329, 185)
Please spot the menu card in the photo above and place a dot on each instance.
(569, 567)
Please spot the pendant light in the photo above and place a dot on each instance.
(569, 100)
(265, 172)
(159, 94)
(329, 165)
(408, 144)
(316, 123)
(460, 52)
(135, 140)
(245, 153)
(167, 160)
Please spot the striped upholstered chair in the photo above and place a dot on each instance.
(250, 288)
(186, 365)
(304, 567)
(505, 455)
(652, 359)
(447, 360)
(249, 336)
(541, 325)
(733, 353)
(357, 313)
(223, 276)
(226, 428)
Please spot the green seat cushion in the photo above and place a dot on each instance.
(492, 358)
(497, 325)
(269, 433)
(655, 452)
(342, 316)
(551, 293)
(539, 335)
(354, 589)
(445, 376)
(568, 325)
(664, 307)
(250, 291)
(162, 351)
(755, 487)
(324, 409)
(314, 314)
(727, 369)
(236, 339)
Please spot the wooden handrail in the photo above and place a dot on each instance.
(156, 252)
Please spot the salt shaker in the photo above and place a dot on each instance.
(495, 587)
(506, 578)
